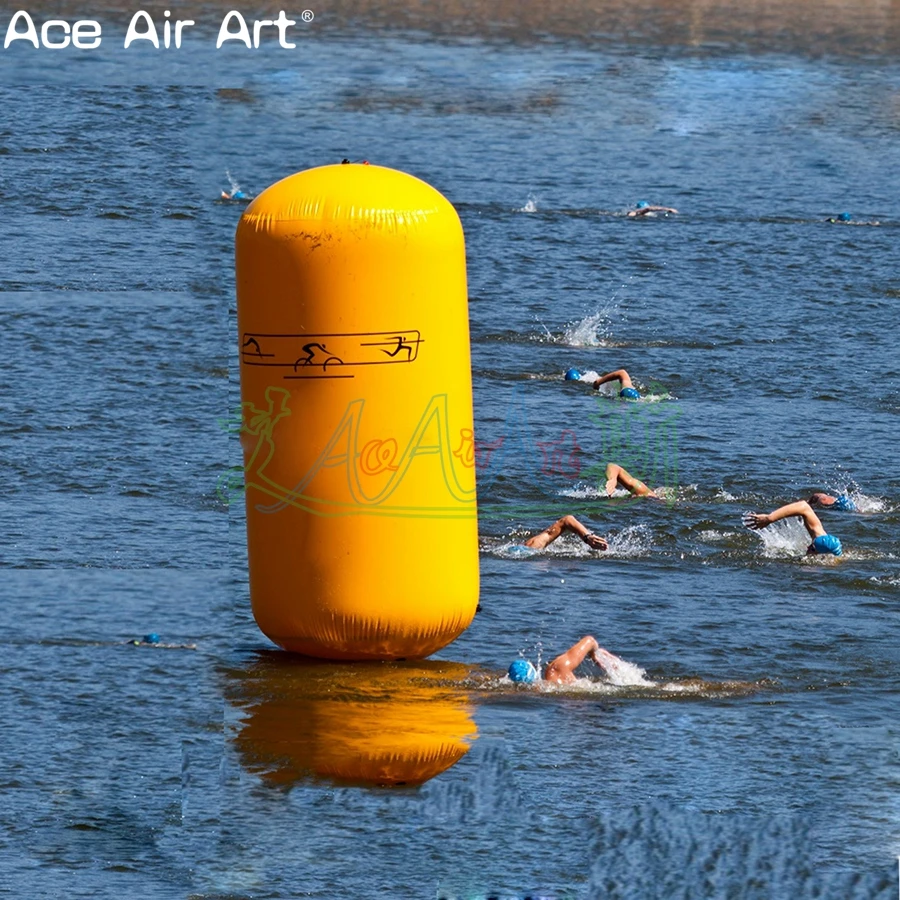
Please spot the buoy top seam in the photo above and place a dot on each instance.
(314, 211)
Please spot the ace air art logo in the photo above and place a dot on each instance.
(165, 32)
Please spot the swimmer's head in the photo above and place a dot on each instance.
(152, 638)
(522, 672)
(844, 217)
(573, 375)
(825, 543)
(642, 204)
(820, 499)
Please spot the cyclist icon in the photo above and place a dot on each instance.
(312, 352)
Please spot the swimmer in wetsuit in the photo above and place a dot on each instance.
(627, 392)
(566, 523)
(616, 476)
(827, 501)
(822, 542)
(562, 669)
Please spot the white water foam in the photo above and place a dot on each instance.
(235, 187)
(714, 536)
(635, 540)
(531, 205)
(591, 330)
(787, 537)
(622, 673)
(865, 503)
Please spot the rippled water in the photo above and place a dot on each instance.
(763, 764)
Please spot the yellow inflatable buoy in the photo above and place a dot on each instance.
(357, 414)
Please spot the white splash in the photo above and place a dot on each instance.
(714, 536)
(787, 537)
(531, 205)
(635, 540)
(591, 330)
(866, 504)
(235, 187)
(622, 673)
(582, 491)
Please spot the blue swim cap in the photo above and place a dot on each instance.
(642, 204)
(844, 503)
(152, 638)
(630, 393)
(238, 195)
(844, 217)
(573, 375)
(827, 543)
(522, 672)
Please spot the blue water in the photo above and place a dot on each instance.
(767, 336)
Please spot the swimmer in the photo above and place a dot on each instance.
(562, 669)
(236, 194)
(643, 208)
(822, 542)
(566, 523)
(627, 392)
(846, 219)
(616, 476)
(152, 640)
(826, 501)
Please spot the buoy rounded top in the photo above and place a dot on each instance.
(372, 195)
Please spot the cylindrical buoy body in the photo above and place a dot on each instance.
(357, 414)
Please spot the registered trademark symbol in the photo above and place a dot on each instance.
(307, 15)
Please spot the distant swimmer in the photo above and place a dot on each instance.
(845, 218)
(562, 669)
(822, 542)
(842, 502)
(616, 476)
(235, 193)
(558, 528)
(152, 640)
(643, 208)
(627, 392)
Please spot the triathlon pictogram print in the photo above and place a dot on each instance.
(301, 356)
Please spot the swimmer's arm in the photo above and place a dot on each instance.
(561, 669)
(618, 375)
(800, 508)
(595, 542)
(566, 523)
